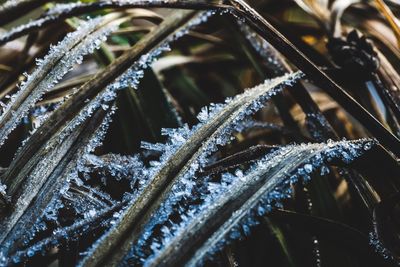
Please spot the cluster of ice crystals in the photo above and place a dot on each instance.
(132, 76)
(32, 24)
(63, 8)
(9, 3)
(265, 50)
(318, 126)
(59, 234)
(379, 247)
(80, 204)
(178, 137)
(51, 212)
(252, 124)
(100, 133)
(113, 166)
(39, 115)
(68, 52)
(3, 189)
(94, 141)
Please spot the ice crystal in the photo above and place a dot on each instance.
(267, 52)
(375, 242)
(3, 189)
(113, 166)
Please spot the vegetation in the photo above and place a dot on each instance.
(199, 132)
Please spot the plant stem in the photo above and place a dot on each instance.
(267, 31)
(10, 11)
(91, 7)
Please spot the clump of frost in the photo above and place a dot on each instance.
(380, 248)
(264, 49)
(3, 189)
(112, 166)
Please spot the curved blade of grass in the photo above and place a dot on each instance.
(43, 180)
(52, 68)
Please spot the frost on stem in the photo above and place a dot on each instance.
(244, 105)
(50, 70)
(23, 225)
(278, 187)
(103, 101)
(132, 76)
(267, 52)
(112, 167)
(223, 118)
(380, 248)
(258, 190)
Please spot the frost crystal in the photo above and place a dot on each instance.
(3, 189)
(267, 52)
(112, 166)
(375, 242)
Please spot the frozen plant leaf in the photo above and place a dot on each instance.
(229, 209)
(59, 61)
(185, 152)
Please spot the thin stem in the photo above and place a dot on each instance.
(283, 45)
(388, 14)
(91, 7)
(12, 10)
